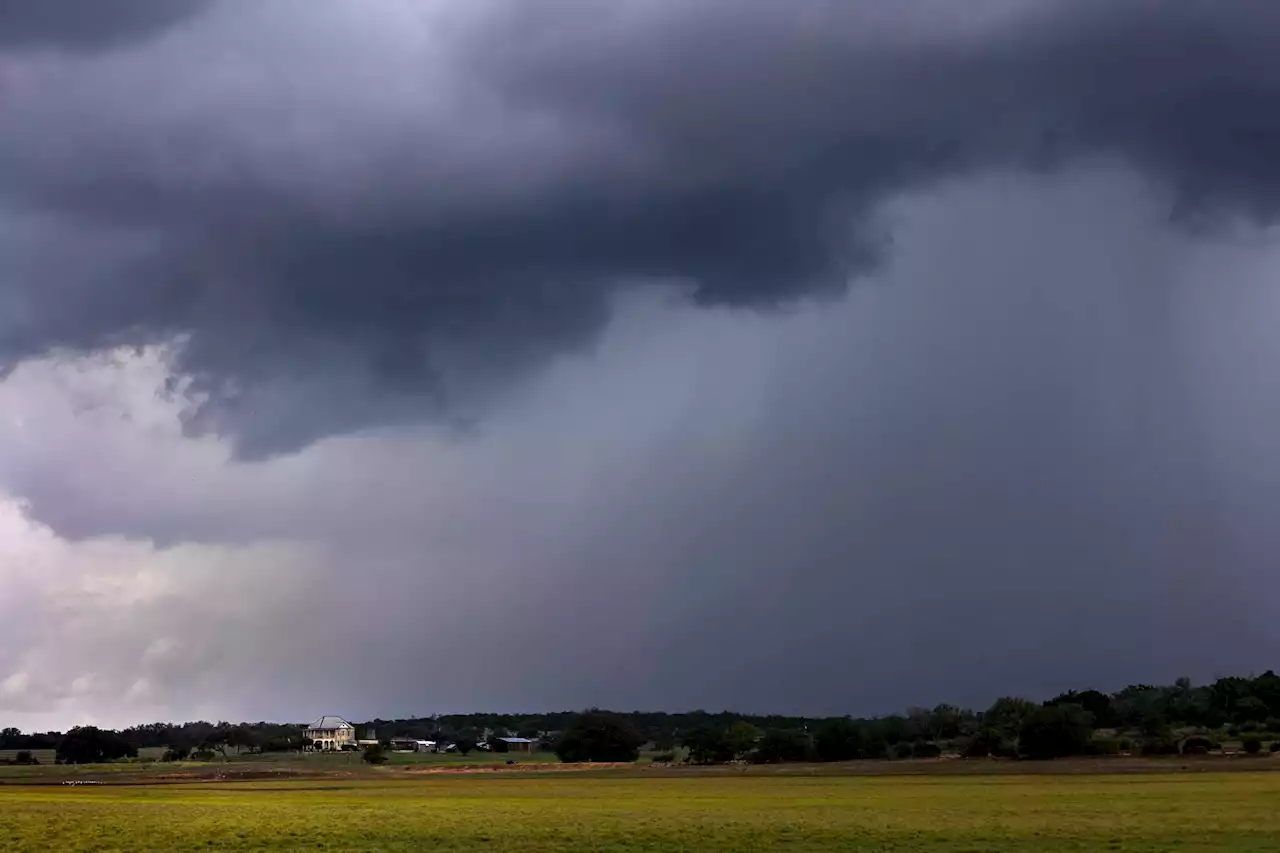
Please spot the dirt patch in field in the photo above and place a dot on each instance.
(531, 767)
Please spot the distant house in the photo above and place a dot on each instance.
(409, 744)
(330, 734)
(517, 744)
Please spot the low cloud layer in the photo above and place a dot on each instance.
(365, 213)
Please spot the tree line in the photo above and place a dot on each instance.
(1152, 719)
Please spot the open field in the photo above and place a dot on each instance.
(652, 811)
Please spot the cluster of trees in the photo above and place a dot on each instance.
(1148, 718)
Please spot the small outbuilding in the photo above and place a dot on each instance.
(518, 744)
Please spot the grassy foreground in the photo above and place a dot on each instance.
(1187, 812)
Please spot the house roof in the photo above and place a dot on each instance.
(329, 723)
(515, 739)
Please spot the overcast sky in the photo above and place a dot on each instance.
(390, 357)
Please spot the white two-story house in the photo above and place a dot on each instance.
(329, 734)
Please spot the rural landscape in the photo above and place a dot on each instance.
(639, 426)
(1141, 769)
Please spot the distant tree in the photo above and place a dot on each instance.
(465, 745)
(1252, 745)
(375, 754)
(202, 753)
(783, 745)
(708, 745)
(599, 736)
(1007, 713)
(902, 750)
(91, 745)
(1055, 731)
(664, 742)
(742, 738)
(24, 756)
(176, 753)
(10, 738)
(947, 721)
(838, 740)
(984, 742)
(1095, 702)
(892, 729)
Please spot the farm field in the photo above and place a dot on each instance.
(638, 811)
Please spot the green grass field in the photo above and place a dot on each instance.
(635, 811)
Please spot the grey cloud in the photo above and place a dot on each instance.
(986, 473)
(458, 206)
(76, 24)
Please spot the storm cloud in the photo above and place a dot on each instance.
(821, 356)
(428, 200)
(86, 26)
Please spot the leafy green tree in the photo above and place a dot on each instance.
(91, 745)
(599, 736)
(708, 745)
(742, 738)
(1055, 731)
(465, 745)
(375, 754)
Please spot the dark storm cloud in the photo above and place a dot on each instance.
(420, 228)
(88, 24)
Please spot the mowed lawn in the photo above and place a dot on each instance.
(1186, 812)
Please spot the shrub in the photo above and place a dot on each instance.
(1126, 745)
(664, 758)
(1104, 746)
(902, 750)
(1196, 746)
(176, 754)
(981, 745)
(202, 753)
(24, 756)
(1160, 745)
(926, 749)
(375, 754)
(1252, 745)
(465, 745)
(1006, 749)
(1275, 746)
